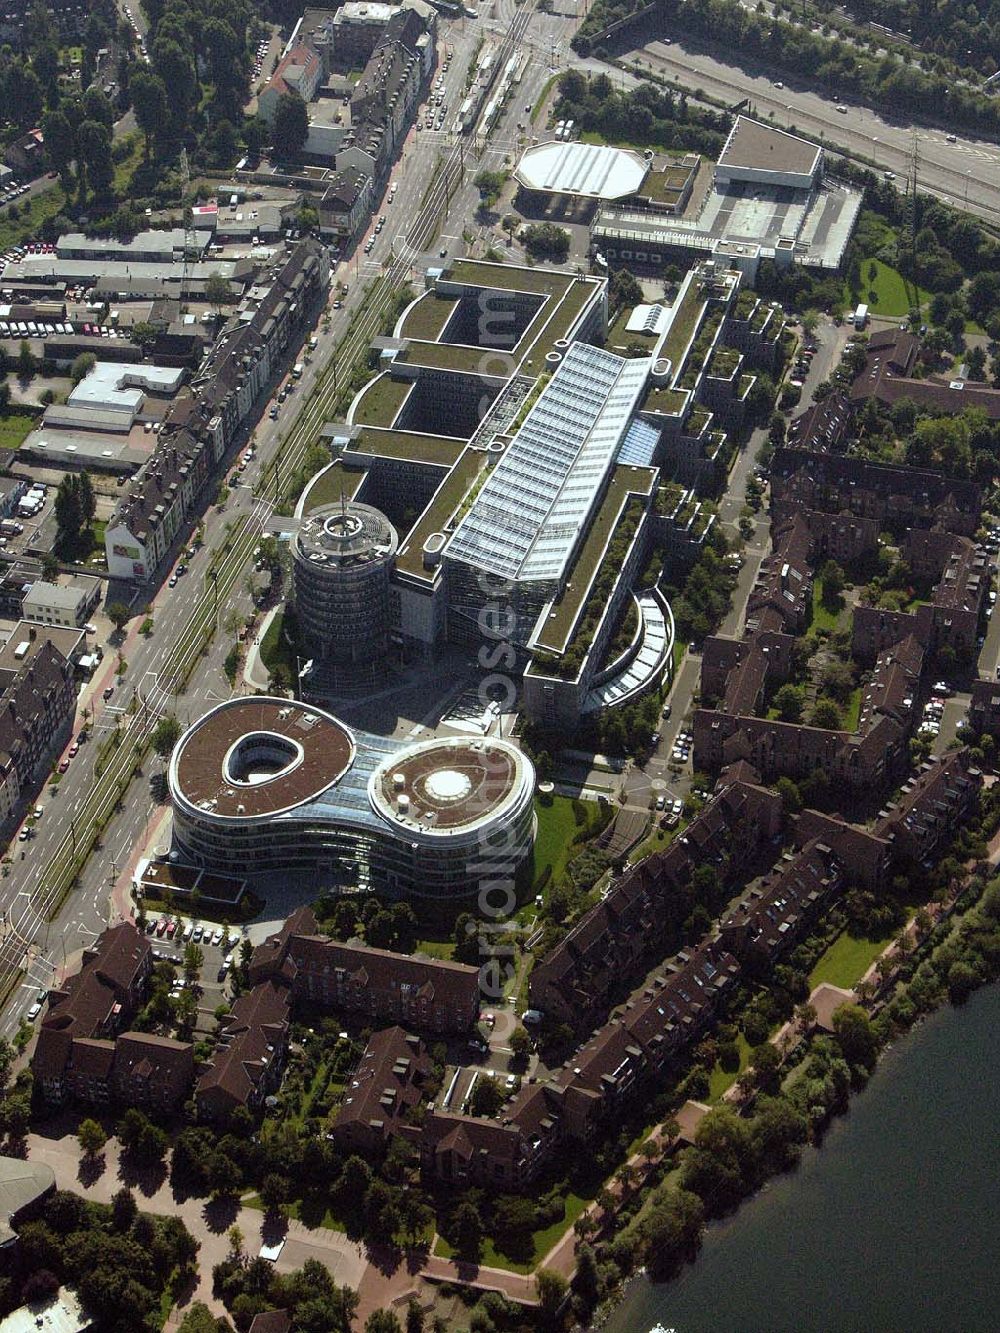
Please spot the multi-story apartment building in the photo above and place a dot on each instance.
(428, 994)
(82, 1052)
(247, 1064)
(37, 707)
(201, 425)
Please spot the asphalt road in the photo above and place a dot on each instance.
(966, 173)
(88, 908)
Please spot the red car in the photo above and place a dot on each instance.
(171, 928)
(161, 925)
(74, 749)
(64, 766)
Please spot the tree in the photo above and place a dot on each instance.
(382, 1321)
(194, 961)
(975, 362)
(510, 224)
(468, 1228)
(487, 1097)
(853, 1030)
(217, 291)
(166, 734)
(69, 513)
(93, 147)
(150, 105)
(551, 1287)
(544, 240)
(826, 714)
(833, 580)
(199, 1319)
(123, 1210)
(118, 613)
(274, 1192)
(59, 143)
(290, 128)
(25, 361)
(789, 701)
(91, 1137)
(414, 1316)
(82, 366)
(520, 1043)
(88, 500)
(671, 1231)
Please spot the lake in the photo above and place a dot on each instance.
(891, 1225)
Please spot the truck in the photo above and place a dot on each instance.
(297, 370)
(861, 317)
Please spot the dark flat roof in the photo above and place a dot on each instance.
(327, 751)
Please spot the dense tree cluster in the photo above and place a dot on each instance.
(644, 115)
(315, 1302)
(120, 1260)
(843, 67)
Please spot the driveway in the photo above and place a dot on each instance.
(209, 1223)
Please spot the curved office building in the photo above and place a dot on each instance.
(342, 560)
(263, 784)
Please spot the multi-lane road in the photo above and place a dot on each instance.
(434, 194)
(966, 172)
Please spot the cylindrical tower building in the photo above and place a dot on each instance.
(342, 559)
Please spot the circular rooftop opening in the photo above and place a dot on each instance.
(448, 785)
(261, 757)
(342, 527)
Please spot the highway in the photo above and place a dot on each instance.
(178, 669)
(966, 173)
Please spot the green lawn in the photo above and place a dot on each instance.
(275, 649)
(542, 1241)
(437, 948)
(894, 295)
(721, 1080)
(822, 616)
(846, 961)
(553, 845)
(328, 1219)
(38, 209)
(15, 427)
(852, 710)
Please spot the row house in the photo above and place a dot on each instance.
(75, 1055)
(824, 426)
(931, 807)
(893, 496)
(388, 1085)
(430, 994)
(865, 855)
(464, 1150)
(984, 708)
(781, 598)
(201, 424)
(37, 707)
(575, 981)
(775, 913)
(247, 1064)
(777, 749)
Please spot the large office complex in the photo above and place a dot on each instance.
(530, 473)
(342, 557)
(770, 198)
(267, 783)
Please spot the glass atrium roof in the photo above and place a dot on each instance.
(525, 523)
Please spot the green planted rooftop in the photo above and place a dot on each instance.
(405, 444)
(510, 278)
(669, 402)
(427, 317)
(327, 487)
(626, 481)
(668, 498)
(445, 503)
(381, 401)
(687, 317)
(554, 319)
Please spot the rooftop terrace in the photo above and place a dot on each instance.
(446, 501)
(555, 633)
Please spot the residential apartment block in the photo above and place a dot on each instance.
(428, 994)
(203, 421)
(83, 1053)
